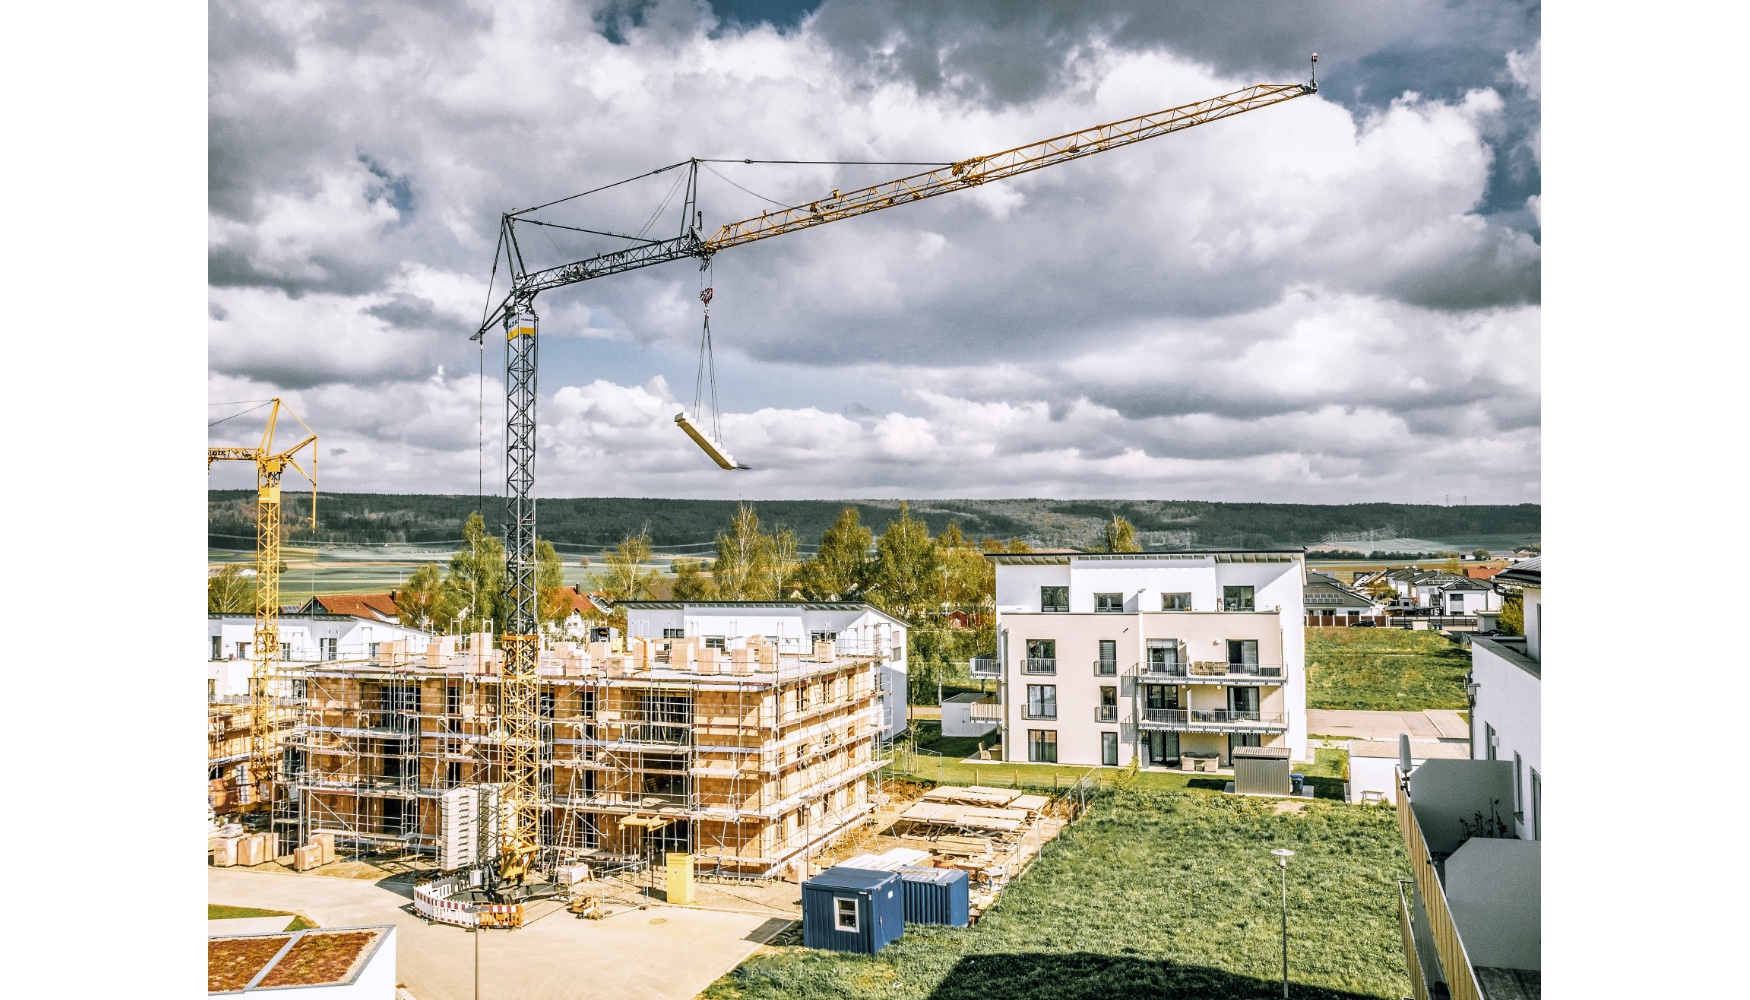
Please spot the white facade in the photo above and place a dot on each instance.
(303, 639)
(854, 628)
(1506, 680)
(1373, 764)
(958, 719)
(1110, 689)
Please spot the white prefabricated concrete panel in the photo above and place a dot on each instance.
(1495, 891)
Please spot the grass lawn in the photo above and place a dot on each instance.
(215, 912)
(1160, 894)
(938, 759)
(1383, 669)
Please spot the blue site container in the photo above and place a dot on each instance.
(936, 896)
(852, 909)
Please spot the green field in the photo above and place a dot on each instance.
(1379, 669)
(1159, 894)
(217, 912)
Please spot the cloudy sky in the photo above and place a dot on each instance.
(1332, 300)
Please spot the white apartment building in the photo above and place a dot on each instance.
(304, 638)
(855, 628)
(1165, 656)
(1506, 681)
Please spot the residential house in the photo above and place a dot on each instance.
(380, 607)
(1473, 829)
(1164, 657)
(1329, 603)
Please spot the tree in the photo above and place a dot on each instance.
(968, 578)
(1381, 590)
(907, 567)
(840, 568)
(1118, 535)
(552, 604)
(741, 556)
(473, 591)
(1512, 619)
(229, 592)
(1480, 555)
(689, 583)
(418, 598)
(625, 578)
(781, 565)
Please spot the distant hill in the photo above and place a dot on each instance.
(597, 523)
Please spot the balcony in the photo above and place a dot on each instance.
(1472, 927)
(1105, 713)
(1215, 672)
(1105, 668)
(985, 668)
(1039, 665)
(1223, 720)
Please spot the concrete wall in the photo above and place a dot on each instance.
(1442, 792)
(1508, 698)
(1494, 889)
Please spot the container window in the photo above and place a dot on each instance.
(844, 913)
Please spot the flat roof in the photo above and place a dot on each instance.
(842, 877)
(1220, 555)
(966, 698)
(1419, 749)
(324, 956)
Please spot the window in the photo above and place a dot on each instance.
(1108, 704)
(1242, 656)
(823, 637)
(674, 633)
(1518, 787)
(1242, 702)
(1489, 741)
(1107, 664)
(1041, 657)
(218, 647)
(1536, 805)
(371, 649)
(212, 690)
(1042, 746)
(802, 698)
(546, 704)
(330, 649)
(1108, 602)
(1455, 602)
(1236, 598)
(1175, 602)
(1054, 598)
(1109, 749)
(242, 651)
(455, 773)
(1042, 701)
(844, 914)
(285, 651)
(714, 642)
(1163, 656)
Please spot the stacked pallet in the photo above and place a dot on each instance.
(973, 795)
(965, 817)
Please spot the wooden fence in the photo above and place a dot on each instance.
(1454, 963)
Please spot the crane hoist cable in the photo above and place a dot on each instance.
(705, 425)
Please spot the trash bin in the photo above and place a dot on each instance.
(1297, 781)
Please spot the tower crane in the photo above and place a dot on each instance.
(270, 465)
(515, 315)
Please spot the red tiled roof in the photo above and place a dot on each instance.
(1482, 572)
(360, 605)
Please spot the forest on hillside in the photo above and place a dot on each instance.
(599, 523)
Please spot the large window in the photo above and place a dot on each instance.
(1108, 704)
(1109, 749)
(1242, 656)
(1054, 598)
(1236, 598)
(1242, 702)
(1042, 746)
(218, 647)
(1042, 701)
(1175, 602)
(1163, 656)
(1109, 603)
(1041, 657)
(1107, 664)
(330, 648)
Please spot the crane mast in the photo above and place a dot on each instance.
(263, 775)
(515, 314)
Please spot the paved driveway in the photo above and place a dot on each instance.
(1430, 725)
(663, 953)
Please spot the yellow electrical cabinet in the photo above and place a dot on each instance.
(680, 878)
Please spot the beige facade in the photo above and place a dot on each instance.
(745, 756)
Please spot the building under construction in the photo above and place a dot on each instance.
(746, 751)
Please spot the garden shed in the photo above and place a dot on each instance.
(1261, 771)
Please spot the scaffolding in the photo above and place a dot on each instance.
(747, 756)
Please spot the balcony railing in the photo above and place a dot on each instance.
(1455, 964)
(1039, 665)
(1213, 719)
(1105, 713)
(1045, 712)
(985, 668)
(1106, 668)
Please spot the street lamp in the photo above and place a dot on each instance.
(1282, 856)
